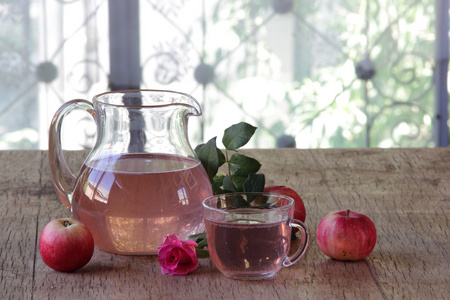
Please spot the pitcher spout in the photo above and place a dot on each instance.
(150, 99)
(185, 99)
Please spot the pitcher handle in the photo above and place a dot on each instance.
(63, 179)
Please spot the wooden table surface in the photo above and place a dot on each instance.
(406, 192)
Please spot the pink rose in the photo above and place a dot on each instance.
(177, 257)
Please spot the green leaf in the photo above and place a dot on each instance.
(202, 253)
(217, 183)
(254, 183)
(202, 242)
(221, 156)
(241, 202)
(242, 165)
(237, 201)
(198, 237)
(209, 157)
(218, 180)
(228, 184)
(237, 135)
(238, 182)
(219, 191)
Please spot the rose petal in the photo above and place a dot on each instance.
(173, 258)
(184, 257)
(190, 243)
(168, 239)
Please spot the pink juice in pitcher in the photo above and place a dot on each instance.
(247, 247)
(134, 200)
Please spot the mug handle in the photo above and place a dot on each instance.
(63, 179)
(290, 260)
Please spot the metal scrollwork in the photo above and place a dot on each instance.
(167, 7)
(365, 69)
(84, 74)
(346, 57)
(169, 64)
(46, 72)
(13, 69)
(410, 73)
(12, 11)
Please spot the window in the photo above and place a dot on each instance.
(306, 73)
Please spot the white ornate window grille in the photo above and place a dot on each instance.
(307, 73)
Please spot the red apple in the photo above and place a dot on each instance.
(299, 209)
(66, 244)
(346, 235)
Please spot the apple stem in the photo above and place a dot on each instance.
(66, 223)
(348, 212)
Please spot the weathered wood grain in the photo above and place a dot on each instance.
(406, 192)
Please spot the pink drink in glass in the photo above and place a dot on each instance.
(247, 248)
(249, 234)
(134, 200)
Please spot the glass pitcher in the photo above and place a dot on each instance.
(142, 180)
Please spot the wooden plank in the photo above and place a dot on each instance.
(17, 239)
(406, 192)
(321, 277)
(18, 218)
(20, 169)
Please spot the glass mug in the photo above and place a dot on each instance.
(141, 180)
(249, 234)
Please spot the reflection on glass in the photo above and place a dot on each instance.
(183, 197)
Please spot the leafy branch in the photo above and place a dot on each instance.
(241, 170)
(241, 175)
